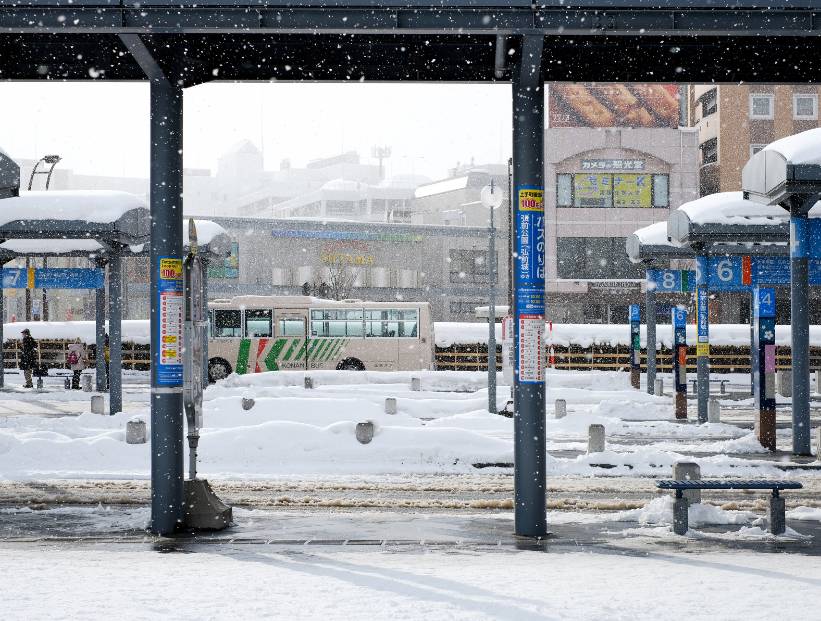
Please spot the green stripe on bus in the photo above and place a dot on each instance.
(291, 350)
(242, 356)
(334, 346)
(311, 348)
(323, 347)
(271, 358)
(301, 351)
(338, 348)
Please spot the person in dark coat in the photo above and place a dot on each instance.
(28, 357)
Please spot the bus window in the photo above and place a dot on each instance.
(291, 327)
(336, 322)
(227, 324)
(258, 323)
(392, 323)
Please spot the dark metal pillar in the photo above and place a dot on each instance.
(2, 320)
(650, 312)
(764, 378)
(99, 333)
(115, 333)
(529, 308)
(205, 263)
(753, 355)
(703, 338)
(800, 321)
(635, 346)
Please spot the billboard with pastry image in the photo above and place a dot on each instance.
(613, 105)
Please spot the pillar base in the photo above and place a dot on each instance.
(765, 428)
(681, 405)
(203, 509)
(635, 378)
(681, 516)
(777, 516)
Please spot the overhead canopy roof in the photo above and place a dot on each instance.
(726, 217)
(212, 241)
(105, 216)
(651, 243)
(784, 168)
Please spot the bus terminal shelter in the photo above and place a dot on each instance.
(174, 48)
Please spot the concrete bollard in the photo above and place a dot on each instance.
(688, 471)
(97, 404)
(595, 439)
(777, 515)
(785, 382)
(248, 403)
(416, 384)
(39, 383)
(713, 411)
(136, 432)
(86, 383)
(561, 408)
(364, 432)
(67, 383)
(390, 405)
(309, 383)
(658, 389)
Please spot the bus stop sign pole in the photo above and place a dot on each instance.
(764, 370)
(635, 346)
(529, 306)
(680, 361)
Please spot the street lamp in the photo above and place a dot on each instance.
(491, 198)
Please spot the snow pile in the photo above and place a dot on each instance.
(660, 511)
(97, 206)
(807, 514)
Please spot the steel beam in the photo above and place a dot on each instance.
(115, 334)
(529, 310)
(650, 320)
(800, 322)
(99, 333)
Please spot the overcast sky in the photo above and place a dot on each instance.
(101, 128)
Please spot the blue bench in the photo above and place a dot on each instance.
(777, 509)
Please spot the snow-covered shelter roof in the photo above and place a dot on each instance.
(107, 216)
(9, 176)
(726, 217)
(784, 168)
(651, 242)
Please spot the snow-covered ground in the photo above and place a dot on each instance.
(444, 428)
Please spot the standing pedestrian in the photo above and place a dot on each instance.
(77, 360)
(28, 357)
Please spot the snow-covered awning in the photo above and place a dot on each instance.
(106, 216)
(784, 168)
(726, 217)
(651, 243)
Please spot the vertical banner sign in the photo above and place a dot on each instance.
(680, 361)
(170, 291)
(703, 306)
(530, 267)
(635, 346)
(764, 371)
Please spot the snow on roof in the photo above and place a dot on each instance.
(654, 235)
(440, 187)
(732, 208)
(803, 148)
(51, 246)
(207, 230)
(344, 185)
(100, 206)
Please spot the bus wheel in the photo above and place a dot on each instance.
(350, 364)
(218, 368)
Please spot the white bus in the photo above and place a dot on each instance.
(252, 334)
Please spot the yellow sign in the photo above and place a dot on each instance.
(593, 190)
(342, 258)
(702, 349)
(30, 278)
(531, 199)
(632, 190)
(171, 269)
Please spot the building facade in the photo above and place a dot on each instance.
(600, 186)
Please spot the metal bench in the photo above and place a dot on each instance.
(776, 512)
(722, 385)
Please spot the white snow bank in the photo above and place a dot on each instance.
(134, 330)
(84, 205)
(660, 511)
(808, 514)
(732, 208)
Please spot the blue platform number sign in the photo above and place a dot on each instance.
(764, 302)
(170, 292)
(679, 317)
(530, 273)
(635, 313)
(671, 281)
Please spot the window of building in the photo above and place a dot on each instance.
(709, 151)
(564, 190)
(227, 324)
(709, 103)
(602, 190)
(761, 106)
(755, 148)
(336, 322)
(391, 323)
(594, 258)
(805, 107)
(258, 324)
(469, 266)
